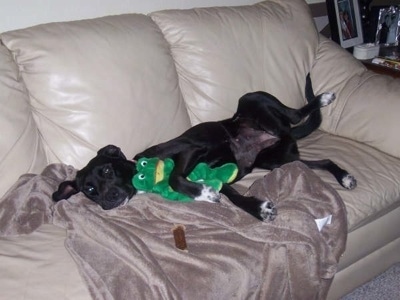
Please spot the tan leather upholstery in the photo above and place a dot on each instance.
(223, 53)
(21, 150)
(67, 89)
(367, 103)
(106, 81)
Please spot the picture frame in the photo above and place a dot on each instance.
(388, 30)
(345, 22)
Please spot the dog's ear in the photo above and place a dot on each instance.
(111, 151)
(65, 190)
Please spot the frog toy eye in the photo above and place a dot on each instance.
(143, 163)
(141, 176)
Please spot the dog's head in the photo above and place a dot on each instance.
(106, 179)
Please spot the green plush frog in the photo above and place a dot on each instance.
(153, 177)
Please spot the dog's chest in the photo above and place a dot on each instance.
(248, 143)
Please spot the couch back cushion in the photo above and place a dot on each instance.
(95, 82)
(21, 150)
(222, 53)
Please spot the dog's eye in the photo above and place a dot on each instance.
(90, 190)
(143, 163)
(141, 176)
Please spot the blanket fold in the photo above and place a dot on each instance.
(129, 252)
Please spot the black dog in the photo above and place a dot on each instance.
(259, 135)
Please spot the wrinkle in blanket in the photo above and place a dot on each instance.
(129, 252)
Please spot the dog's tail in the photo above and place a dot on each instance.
(314, 119)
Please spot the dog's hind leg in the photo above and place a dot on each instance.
(321, 100)
(314, 118)
(267, 111)
(342, 176)
(261, 209)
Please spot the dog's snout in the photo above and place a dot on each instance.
(113, 194)
(114, 197)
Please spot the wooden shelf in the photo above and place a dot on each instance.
(381, 69)
(384, 51)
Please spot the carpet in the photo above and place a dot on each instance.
(385, 286)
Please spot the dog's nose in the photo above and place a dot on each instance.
(113, 194)
(113, 198)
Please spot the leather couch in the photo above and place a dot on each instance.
(68, 89)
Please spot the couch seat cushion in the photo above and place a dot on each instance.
(376, 172)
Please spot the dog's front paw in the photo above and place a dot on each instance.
(268, 211)
(349, 182)
(327, 98)
(208, 194)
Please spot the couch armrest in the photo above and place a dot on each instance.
(367, 105)
(21, 149)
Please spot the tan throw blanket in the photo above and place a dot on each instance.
(129, 252)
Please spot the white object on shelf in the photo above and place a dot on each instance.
(366, 51)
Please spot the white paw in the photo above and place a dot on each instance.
(268, 211)
(349, 182)
(327, 98)
(208, 194)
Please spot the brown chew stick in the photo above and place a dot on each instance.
(179, 237)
